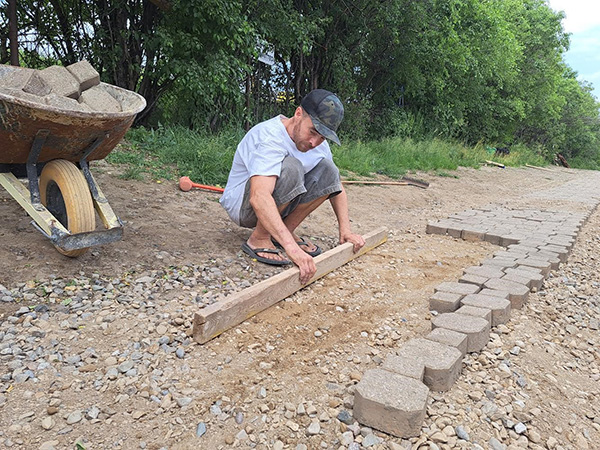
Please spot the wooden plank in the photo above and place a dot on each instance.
(494, 163)
(395, 183)
(213, 320)
(539, 168)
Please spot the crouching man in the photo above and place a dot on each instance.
(282, 171)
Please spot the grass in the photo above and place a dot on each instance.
(171, 152)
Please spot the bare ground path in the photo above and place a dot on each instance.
(106, 357)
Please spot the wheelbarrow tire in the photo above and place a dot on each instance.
(65, 192)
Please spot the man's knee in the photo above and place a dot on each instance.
(291, 168)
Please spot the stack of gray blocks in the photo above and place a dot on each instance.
(75, 88)
(393, 398)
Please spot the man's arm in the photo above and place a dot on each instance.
(268, 215)
(339, 203)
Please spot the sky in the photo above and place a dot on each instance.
(583, 22)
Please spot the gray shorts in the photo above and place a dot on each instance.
(293, 187)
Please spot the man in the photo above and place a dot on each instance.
(282, 171)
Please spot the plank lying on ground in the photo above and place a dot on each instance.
(233, 310)
(539, 168)
(393, 183)
(494, 163)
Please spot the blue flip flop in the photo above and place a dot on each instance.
(253, 252)
(317, 251)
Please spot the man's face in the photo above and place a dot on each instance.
(306, 137)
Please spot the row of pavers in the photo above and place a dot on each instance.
(393, 398)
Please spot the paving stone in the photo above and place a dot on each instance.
(449, 337)
(499, 307)
(85, 74)
(517, 292)
(454, 231)
(484, 271)
(538, 263)
(60, 81)
(472, 235)
(391, 403)
(493, 238)
(67, 103)
(473, 279)
(527, 277)
(494, 293)
(99, 100)
(442, 362)
(22, 95)
(476, 329)
(15, 79)
(444, 302)
(407, 366)
(499, 262)
(475, 311)
(457, 288)
(36, 85)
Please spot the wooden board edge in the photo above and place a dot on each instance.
(243, 304)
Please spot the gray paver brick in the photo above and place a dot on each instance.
(531, 278)
(409, 367)
(391, 403)
(484, 313)
(457, 288)
(484, 271)
(444, 302)
(449, 337)
(37, 86)
(517, 292)
(473, 279)
(537, 263)
(472, 235)
(499, 307)
(17, 79)
(100, 100)
(60, 81)
(495, 293)
(442, 362)
(476, 329)
(84, 74)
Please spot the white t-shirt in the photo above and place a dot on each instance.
(261, 152)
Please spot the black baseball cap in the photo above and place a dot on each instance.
(326, 112)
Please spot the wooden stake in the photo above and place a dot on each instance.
(213, 320)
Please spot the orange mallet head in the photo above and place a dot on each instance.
(185, 184)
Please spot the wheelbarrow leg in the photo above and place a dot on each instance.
(32, 174)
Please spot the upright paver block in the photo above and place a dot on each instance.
(450, 338)
(517, 292)
(85, 74)
(391, 403)
(476, 329)
(442, 363)
(500, 307)
(100, 100)
(476, 311)
(444, 302)
(542, 264)
(457, 288)
(37, 86)
(60, 81)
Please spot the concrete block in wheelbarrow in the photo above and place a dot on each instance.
(442, 362)
(450, 338)
(98, 99)
(60, 81)
(36, 85)
(476, 329)
(499, 307)
(62, 102)
(85, 74)
(457, 288)
(18, 93)
(16, 79)
(391, 403)
(444, 302)
(517, 292)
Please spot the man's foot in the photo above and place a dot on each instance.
(310, 248)
(270, 256)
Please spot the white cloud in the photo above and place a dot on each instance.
(581, 15)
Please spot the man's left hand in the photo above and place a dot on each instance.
(356, 239)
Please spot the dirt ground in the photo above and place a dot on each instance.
(359, 311)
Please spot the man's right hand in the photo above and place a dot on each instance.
(304, 262)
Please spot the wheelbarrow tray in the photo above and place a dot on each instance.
(33, 134)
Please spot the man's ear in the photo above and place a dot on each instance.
(298, 112)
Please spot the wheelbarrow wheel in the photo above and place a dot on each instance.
(65, 193)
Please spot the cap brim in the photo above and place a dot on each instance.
(324, 131)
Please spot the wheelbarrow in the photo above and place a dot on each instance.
(52, 148)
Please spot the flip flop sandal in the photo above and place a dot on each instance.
(316, 252)
(253, 252)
